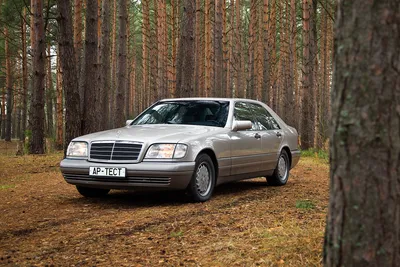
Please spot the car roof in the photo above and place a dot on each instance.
(210, 98)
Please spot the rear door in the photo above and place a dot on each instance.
(246, 146)
(271, 136)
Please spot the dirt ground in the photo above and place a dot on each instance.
(45, 222)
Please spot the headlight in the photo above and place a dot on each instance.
(166, 151)
(77, 149)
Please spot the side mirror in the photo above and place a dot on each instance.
(128, 122)
(241, 125)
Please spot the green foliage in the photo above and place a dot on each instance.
(6, 186)
(321, 154)
(305, 204)
(176, 234)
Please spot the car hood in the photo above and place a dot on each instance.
(154, 133)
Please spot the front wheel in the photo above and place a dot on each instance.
(281, 172)
(92, 192)
(202, 184)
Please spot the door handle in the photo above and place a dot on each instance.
(257, 136)
(278, 134)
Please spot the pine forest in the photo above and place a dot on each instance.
(65, 62)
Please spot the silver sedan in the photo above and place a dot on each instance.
(191, 144)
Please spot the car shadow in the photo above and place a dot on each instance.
(132, 199)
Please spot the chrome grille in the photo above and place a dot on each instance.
(115, 151)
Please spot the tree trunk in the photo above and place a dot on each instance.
(290, 103)
(24, 77)
(198, 50)
(90, 112)
(17, 108)
(218, 49)
(38, 65)
(49, 96)
(105, 76)
(120, 116)
(162, 48)
(112, 93)
(314, 84)
(78, 46)
(273, 56)
(307, 125)
(145, 51)
(153, 93)
(59, 106)
(133, 103)
(364, 209)
(69, 73)
(9, 85)
(265, 94)
(228, 45)
(239, 90)
(209, 69)
(172, 65)
(185, 60)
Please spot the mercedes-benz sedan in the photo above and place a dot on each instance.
(191, 144)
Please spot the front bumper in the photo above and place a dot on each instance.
(167, 175)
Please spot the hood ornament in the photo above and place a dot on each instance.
(118, 133)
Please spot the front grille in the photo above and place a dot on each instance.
(115, 151)
(125, 180)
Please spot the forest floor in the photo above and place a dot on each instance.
(45, 222)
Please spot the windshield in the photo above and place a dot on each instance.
(198, 112)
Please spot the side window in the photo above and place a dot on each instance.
(264, 118)
(243, 113)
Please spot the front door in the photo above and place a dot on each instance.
(246, 149)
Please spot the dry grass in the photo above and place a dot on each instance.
(44, 221)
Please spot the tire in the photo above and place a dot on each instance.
(202, 184)
(281, 172)
(92, 192)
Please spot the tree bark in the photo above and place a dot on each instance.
(49, 96)
(105, 76)
(239, 90)
(69, 73)
(24, 77)
(185, 60)
(364, 207)
(9, 85)
(38, 64)
(153, 93)
(172, 65)
(265, 94)
(162, 48)
(228, 45)
(307, 125)
(78, 46)
(59, 106)
(218, 49)
(209, 51)
(90, 112)
(145, 51)
(120, 116)
(290, 114)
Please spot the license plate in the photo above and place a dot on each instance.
(107, 171)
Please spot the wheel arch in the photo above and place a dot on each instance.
(213, 157)
(287, 149)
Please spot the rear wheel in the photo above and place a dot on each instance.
(281, 172)
(202, 184)
(92, 192)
